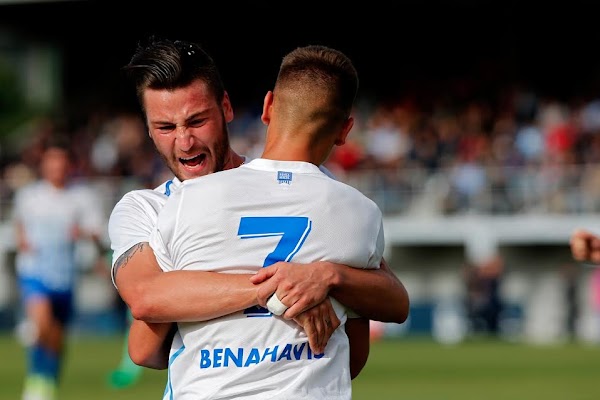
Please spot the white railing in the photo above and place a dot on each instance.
(566, 189)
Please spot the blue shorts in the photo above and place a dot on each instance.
(61, 302)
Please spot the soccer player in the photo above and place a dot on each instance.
(187, 109)
(279, 207)
(50, 216)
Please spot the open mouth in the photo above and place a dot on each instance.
(193, 161)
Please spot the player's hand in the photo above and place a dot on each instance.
(319, 323)
(298, 286)
(585, 246)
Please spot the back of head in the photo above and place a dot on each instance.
(169, 64)
(316, 83)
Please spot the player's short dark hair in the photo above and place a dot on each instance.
(324, 67)
(160, 63)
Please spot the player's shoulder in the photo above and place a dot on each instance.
(139, 196)
(26, 188)
(31, 190)
(162, 191)
(327, 171)
(144, 199)
(345, 192)
(33, 186)
(82, 188)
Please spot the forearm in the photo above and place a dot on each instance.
(358, 330)
(374, 294)
(184, 296)
(149, 344)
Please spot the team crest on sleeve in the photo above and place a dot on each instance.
(284, 177)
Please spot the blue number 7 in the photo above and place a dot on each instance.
(293, 232)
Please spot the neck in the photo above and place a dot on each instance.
(57, 183)
(292, 153)
(234, 160)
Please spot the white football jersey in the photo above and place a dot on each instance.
(134, 217)
(238, 221)
(49, 217)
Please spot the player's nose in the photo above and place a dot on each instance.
(184, 138)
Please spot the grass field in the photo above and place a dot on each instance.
(397, 369)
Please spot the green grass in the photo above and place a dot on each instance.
(477, 370)
(397, 369)
(88, 363)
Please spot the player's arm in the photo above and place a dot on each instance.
(374, 294)
(358, 332)
(155, 296)
(181, 295)
(585, 246)
(149, 343)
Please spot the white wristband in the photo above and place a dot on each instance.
(275, 305)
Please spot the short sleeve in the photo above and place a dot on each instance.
(131, 222)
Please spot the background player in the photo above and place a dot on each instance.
(51, 215)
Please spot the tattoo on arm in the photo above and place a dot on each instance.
(125, 257)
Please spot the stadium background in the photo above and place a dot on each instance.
(63, 58)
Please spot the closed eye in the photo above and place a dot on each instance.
(165, 128)
(197, 122)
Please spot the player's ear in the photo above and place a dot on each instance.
(341, 139)
(267, 107)
(227, 108)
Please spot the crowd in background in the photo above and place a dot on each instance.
(509, 152)
(513, 152)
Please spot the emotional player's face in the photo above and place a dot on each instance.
(189, 129)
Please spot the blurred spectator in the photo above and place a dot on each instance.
(483, 298)
(347, 158)
(426, 151)
(529, 142)
(570, 274)
(483, 274)
(387, 144)
(590, 117)
(467, 186)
